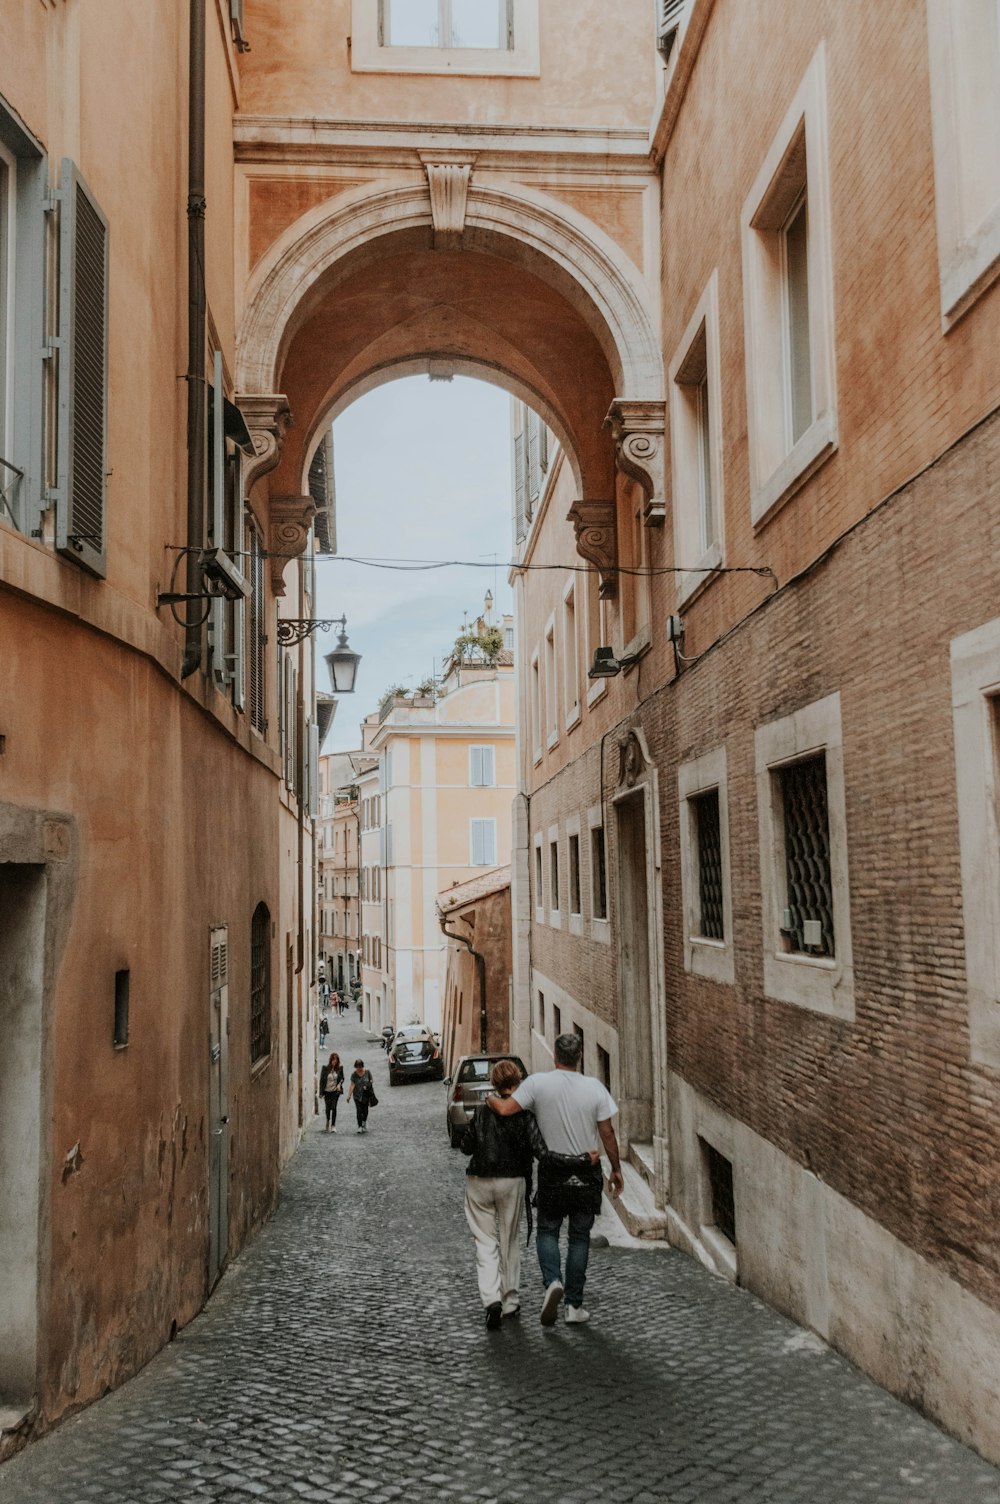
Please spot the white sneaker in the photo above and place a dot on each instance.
(550, 1303)
(575, 1314)
(333, 1130)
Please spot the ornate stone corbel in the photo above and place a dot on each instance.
(268, 417)
(637, 429)
(448, 180)
(594, 523)
(288, 533)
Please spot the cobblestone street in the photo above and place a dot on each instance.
(344, 1356)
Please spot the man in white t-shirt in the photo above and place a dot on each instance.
(573, 1112)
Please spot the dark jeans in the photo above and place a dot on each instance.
(547, 1230)
(330, 1099)
(361, 1105)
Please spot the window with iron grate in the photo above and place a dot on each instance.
(260, 983)
(708, 831)
(808, 918)
(720, 1184)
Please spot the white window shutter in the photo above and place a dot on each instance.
(534, 458)
(81, 449)
(313, 768)
(477, 843)
(490, 843)
(475, 766)
(520, 490)
(489, 777)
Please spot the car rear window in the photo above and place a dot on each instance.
(476, 1070)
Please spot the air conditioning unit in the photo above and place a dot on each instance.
(670, 15)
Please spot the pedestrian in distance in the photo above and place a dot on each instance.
(498, 1178)
(362, 1091)
(573, 1112)
(331, 1085)
(324, 1029)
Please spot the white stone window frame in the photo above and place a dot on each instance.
(536, 693)
(483, 748)
(685, 444)
(600, 929)
(574, 917)
(703, 956)
(964, 54)
(571, 656)
(550, 683)
(555, 914)
(522, 60)
(538, 878)
(819, 983)
(778, 470)
(975, 698)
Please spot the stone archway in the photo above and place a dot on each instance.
(487, 276)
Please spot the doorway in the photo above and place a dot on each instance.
(218, 1105)
(634, 973)
(22, 959)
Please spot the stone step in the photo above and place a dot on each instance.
(636, 1207)
(641, 1159)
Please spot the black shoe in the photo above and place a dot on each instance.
(494, 1315)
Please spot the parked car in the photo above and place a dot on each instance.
(468, 1084)
(415, 1051)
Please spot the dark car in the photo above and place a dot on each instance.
(469, 1083)
(414, 1052)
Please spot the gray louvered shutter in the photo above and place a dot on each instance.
(81, 450)
(217, 476)
(671, 13)
(520, 490)
(534, 460)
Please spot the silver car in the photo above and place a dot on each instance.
(468, 1085)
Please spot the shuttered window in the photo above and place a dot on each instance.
(520, 490)
(81, 451)
(483, 840)
(482, 767)
(256, 634)
(260, 983)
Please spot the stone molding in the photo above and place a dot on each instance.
(595, 525)
(637, 428)
(530, 225)
(268, 417)
(448, 181)
(290, 519)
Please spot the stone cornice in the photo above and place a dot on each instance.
(289, 521)
(268, 417)
(637, 428)
(595, 525)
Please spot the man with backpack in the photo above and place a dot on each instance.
(573, 1112)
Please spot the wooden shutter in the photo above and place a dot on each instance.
(520, 490)
(489, 843)
(476, 766)
(81, 448)
(477, 843)
(217, 477)
(489, 777)
(534, 459)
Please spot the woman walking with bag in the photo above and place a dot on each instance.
(362, 1089)
(331, 1085)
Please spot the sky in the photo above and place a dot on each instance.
(423, 471)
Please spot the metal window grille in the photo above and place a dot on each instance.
(809, 884)
(260, 983)
(720, 1183)
(554, 874)
(600, 877)
(705, 808)
(574, 874)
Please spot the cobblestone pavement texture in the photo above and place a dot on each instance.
(344, 1356)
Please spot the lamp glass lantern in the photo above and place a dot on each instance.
(343, 664)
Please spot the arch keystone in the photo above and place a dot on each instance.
(448, 180)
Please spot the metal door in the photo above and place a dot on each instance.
(218, 1104)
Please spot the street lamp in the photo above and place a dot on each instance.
(342, 662)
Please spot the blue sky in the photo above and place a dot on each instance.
(422, 472)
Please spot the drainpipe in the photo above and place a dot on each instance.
(196, 406)
(481, 972)
(301, 753)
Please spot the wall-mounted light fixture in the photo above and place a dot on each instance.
(342, 662)
(606, 665)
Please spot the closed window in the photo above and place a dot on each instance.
(788, 291)
(447, 23)
(708, 847)
(8, 199)
(260, 983)
(24, 188)
(598, 873)
(695, 418)
(554, 874)
(539, 879)
(551, 688)
(482, 767)
(571, 671)
(537, 729)
(483, 842)
(574, 874)
(807, 920)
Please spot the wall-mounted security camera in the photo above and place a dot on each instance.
(222, 575)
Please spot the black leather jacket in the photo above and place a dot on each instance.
(499, 1147)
